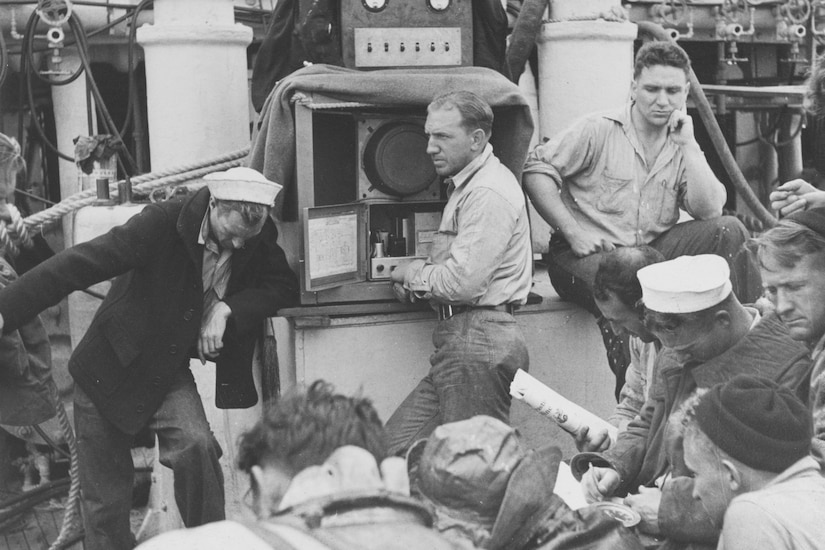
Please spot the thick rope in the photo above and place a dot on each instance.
(6, 242)
(19, 232)
(71, 515)
(141, 184)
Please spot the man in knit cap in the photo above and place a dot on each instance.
(195, 278)
(708, 337)
(747, 443)
(792, 259)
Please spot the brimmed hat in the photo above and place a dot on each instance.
(481, 485)
(242, 184)
(685, 284)
(462, 471)
(757, 422)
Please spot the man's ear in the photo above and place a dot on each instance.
(257, 474)
(256, 481)
(722, 318)
(731, 475)
(479, 139)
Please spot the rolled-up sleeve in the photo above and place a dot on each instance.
(474, 253)
(565, 155)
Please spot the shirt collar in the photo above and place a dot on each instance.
(472, 167)
(625, 118)
(805, 465)
(622, 116)
(205, 235)
(819, 347)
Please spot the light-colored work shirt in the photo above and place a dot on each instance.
(481, 254)
(600, 169)
(638, 376)
(216, 266)
(785, 514)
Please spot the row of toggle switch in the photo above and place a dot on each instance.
(403, 48)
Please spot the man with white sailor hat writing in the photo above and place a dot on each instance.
(708, 337)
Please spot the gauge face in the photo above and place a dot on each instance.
(375, 5)
(438, 5)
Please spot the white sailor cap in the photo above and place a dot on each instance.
(242, 184)
(685, 284)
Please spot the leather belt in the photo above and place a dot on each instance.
(445, 311)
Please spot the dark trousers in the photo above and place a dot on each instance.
(572, 277)
(186, 445)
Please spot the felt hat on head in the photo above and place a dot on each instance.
(462, 471)
(242, 184)
(757, 422)
(685, 284)
(482, 486)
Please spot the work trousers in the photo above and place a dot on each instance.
(186, 445)
(572, 277)
(477, 353)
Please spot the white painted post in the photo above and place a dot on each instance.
(196, 81)
(69, 103)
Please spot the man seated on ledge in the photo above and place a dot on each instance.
(747, 443)
(620, 179)
(479, 271)
(317, 457)
(708, 337)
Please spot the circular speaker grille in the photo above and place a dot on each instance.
(396, 160)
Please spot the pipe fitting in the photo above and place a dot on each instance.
(730, 30)
(55, 35)
(797, 31)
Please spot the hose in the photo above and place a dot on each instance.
(715, 132)
(523, 38)
(4, 60)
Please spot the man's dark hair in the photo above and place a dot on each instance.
(788, 242)
(251, 212)
(617, 273)
(475, 111)
(665, 53)
(303, 428)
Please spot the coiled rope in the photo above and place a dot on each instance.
(71, 515)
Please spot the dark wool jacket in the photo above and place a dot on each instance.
(149, 323)
(651, 446)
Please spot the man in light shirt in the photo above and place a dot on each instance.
(479, 272)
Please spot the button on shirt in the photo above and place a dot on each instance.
(599, 166)
(216, 266)
(481, 254)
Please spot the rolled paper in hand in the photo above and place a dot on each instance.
(569, 416)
